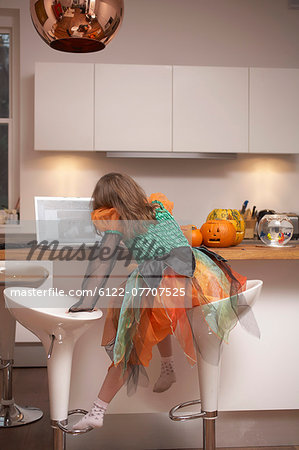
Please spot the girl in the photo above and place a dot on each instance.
(171, 280)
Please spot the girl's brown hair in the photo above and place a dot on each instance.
(120, 191)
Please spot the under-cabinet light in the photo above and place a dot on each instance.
(172, 155)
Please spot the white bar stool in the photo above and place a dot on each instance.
(25, 274)
(208, 364)
(59, 331)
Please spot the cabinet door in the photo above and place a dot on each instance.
(133, 108)
(210, 109)
(274, 111)
(64, 108)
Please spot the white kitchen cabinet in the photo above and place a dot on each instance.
(115, 107)
(274, 110)
(210, 109)
(133, 108)
(64, 106)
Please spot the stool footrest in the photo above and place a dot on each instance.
(62, 427)
(188, 416)
(5, 363)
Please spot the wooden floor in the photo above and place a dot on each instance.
(30, 386)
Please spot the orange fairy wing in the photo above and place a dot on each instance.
(106, 219)
(163, 199)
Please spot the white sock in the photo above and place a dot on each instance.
(94, 418)
(167, 375)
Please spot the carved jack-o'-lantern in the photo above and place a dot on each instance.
(234, 217)
(218, 233)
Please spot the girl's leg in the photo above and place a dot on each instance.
(165, 347)
(113, 382)
(167, 375)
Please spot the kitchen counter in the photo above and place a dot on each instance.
(251, 250)
(254, 250)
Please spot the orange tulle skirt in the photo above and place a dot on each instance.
(166, 313)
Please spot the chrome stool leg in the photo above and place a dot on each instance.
(12, 415)
(59, 436)
(209, 430)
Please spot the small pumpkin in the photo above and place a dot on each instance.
(234, 217)
(218, 233)
(193, 235)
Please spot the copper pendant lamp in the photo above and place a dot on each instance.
(77, 26)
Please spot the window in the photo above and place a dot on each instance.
(9, 108)
(5, 115)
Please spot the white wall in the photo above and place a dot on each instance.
(194, 32)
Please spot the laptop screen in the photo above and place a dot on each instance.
(65, 219)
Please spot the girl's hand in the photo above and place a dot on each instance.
(77, 309)
(80, 307)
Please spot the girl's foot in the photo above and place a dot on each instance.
(94, 418)
(167, 376)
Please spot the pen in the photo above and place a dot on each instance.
(244, 206)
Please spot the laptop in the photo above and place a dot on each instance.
(66, 220)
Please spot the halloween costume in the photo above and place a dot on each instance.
(170, 280)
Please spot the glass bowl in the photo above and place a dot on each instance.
(275, 230)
